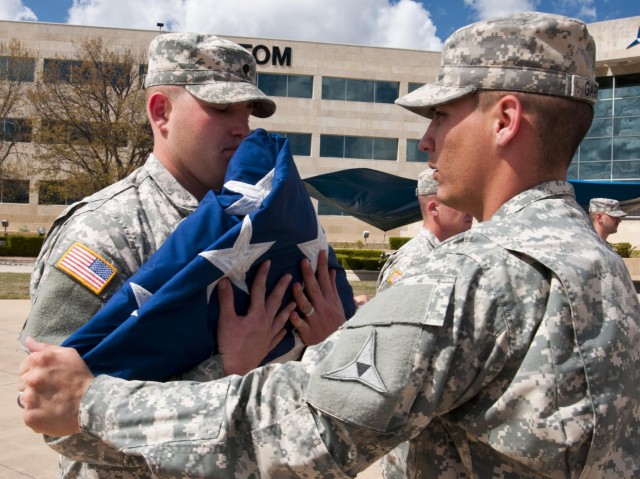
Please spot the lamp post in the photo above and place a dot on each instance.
(5, 225)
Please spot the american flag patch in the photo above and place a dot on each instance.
(394, 277)
(87, 267)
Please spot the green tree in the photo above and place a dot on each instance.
(93, 127)
(17, 66)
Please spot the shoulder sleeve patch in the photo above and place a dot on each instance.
(87, 267)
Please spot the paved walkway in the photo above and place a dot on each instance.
(23, 454)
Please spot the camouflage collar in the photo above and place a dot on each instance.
(181, 198)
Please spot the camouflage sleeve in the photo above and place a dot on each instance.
(401, 360)
(208, 370)
(61, 303)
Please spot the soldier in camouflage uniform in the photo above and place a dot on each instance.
(439, 222)
(513, 352)
(200, 90)
(605, 215)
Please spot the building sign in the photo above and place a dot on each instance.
(273, 55)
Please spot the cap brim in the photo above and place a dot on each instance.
(617, 214)
(422, 100)
(225, 93)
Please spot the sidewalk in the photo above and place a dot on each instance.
(15, 264)
(23, 454)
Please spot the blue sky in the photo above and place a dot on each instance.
(423, 24)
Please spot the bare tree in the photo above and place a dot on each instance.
(17, 66)
(93, 126)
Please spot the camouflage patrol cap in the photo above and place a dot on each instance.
(606, 205)
(530, 52)
(212, 69)
(427, 185)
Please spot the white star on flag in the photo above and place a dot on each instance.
(311, 249)
(235, 262)
(141, 295)
(252, 195)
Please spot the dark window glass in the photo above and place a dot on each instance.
(572, 173)
(60, 70)
(627, 107)
(628, 86)
(332, 146)
(17, 69)
(603, 109)
(15, 129)
(626, 170)
(597, 170)
(386, 92)
(325, 209)
(54, 192)
(51, 193)
(299, 143)
(605, 88)
(272, 85)
(333, 88)
(414, 153)
(595, 150)
(14, 191)
(626, 148)
(385, 149)
(600, 127)
(626, 126)
(359, 90)
(300, 86)
(414, 86)
(358, 147)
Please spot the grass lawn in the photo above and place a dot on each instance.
(14, 285)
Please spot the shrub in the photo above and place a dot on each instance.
(623, 249)
(372, 264)
(396, 242)
(21, 245)
(362, 253)
(353, 263)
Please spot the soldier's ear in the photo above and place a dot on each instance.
(432, 207)
(508, 114)
(159, 109)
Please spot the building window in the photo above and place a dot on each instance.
(414, 86)
(299, 143)
(325, 209)
(17, 69)
(611, 148)
(359, 90)
(68, 71)
(292, 86)
(338, 146)
(57, 132)
(15, 130)
(54, 192)
(414, 153)
(14, 191)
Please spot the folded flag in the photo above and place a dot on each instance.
(163, 321)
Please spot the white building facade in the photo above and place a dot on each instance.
(335, 104)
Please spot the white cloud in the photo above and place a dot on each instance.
(15, 10)
(391, 23)
(492, 8)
